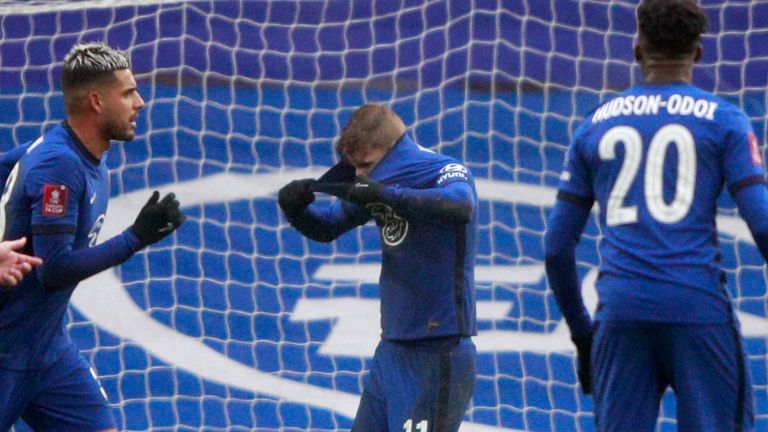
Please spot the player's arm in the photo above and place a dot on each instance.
(319, 223)
(9, 159)
(62, 266)
(752, 202)
(566, 223)
(452, 203)
(564, 228)
(745, 176)
(53, 233)
(65, 266)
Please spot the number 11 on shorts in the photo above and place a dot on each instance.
(422, 426)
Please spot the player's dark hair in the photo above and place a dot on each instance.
(366, 129)
(672, 28)
(86, 64)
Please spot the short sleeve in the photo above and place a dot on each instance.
(743, 160)
(55, 186)
(575, 179)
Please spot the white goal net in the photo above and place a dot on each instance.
(237, 322)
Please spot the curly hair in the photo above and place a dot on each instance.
(671, 28)
(366, 129)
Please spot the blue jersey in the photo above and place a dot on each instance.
(655, 158)
(56, 195)
(427, 273)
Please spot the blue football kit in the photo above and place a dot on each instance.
(56, 194)
(423, 372)
(655, 159)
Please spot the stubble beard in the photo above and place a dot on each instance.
(119, 131)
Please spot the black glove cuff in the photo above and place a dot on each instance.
(144, 237)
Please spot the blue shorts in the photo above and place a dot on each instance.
(633, 364)
(418, 386)
(63, 397)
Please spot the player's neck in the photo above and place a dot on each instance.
(667, 71)
(92, 138)
(667, 77)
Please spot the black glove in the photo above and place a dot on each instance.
(365, 190)
(584, 350)
(295, 196)
(156, 220)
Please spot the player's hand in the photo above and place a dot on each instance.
(14, 265)
(365, 190)
(158, 218)
(294, 197)
(584, 371)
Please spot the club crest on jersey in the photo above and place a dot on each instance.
(393, 227)
(54, 200)
(452, 170)
(754, 150)
(93, 235)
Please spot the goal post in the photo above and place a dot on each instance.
(239, 323)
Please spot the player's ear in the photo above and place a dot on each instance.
(698, 54)
(95, 101)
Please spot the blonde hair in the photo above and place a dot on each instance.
(371, 126)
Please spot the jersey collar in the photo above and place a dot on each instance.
(391, 156)
(79, 145)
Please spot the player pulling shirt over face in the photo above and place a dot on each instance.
(424, 203)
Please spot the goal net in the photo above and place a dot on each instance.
(239, 323)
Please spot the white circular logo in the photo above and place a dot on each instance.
(453, 167)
